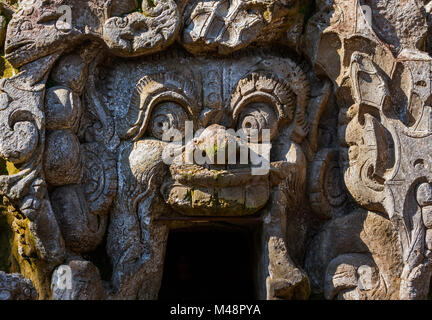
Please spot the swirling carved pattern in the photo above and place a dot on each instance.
(386, 163)
(16, 287)
(143, 33)
(326, 191)
(264, 88)
(289, 96)
(149, 92)
(100, 177)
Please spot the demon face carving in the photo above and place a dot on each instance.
(216, 172)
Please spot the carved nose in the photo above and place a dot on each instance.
(217, 145)
(138, 22)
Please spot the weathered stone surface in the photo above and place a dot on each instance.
(119, 8)
(285, 281)
(143, 33)
(358, 239)
(85, 282)
(350, 277)
(401, 25)
(62, 108)
(123, 120)
(16, 287)
(62, 158)
(71, 72)
(227, 26)
(82, 230)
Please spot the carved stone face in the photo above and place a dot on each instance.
(137, 33)
(36, 20)
(129, 34)
(128, 124)
(220, 97)
(225, 26)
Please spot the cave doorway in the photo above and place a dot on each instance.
(209, 264)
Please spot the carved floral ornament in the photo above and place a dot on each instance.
(91, 87)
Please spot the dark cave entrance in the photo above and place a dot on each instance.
(207, 264)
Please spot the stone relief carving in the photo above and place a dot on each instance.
(168, 99)
(226, 26)
(96, 116)
(16, 287)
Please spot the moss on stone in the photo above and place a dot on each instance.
(150, 4)
(6, 235)
(11, 169)
(191, 196)
(23, 254)
(6, 69)
(267, 15)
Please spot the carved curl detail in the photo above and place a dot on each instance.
(143, 33)
(148, 93)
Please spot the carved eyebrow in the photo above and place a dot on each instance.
(49, 15)
(290, 96)
(152, 90)
(257, 87)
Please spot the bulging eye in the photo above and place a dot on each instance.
(168, 121)
(122, 22)
(26, 26)
(255, 118)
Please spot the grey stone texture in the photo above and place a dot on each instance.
(345, 208)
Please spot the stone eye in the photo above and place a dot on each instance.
(168, 121)
(122, 22)
(255, 118)
(26, 26)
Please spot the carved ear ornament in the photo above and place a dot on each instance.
(152, 90)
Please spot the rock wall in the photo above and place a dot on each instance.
(123, 120)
